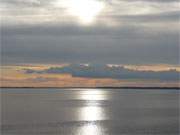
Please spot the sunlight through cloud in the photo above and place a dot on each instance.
(85, 10)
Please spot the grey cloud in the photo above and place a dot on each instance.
(172, 16)
(158, 0)
(33, 8)
(103, 71)
(153, 0)
(127, 44)
(148, 38)
(150, 1)
(25, 3)
(19, 4)
(128, 22)
(39, 2)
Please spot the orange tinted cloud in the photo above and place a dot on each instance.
(13, 76)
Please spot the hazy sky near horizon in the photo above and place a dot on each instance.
(90, 31)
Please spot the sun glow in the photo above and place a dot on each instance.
(90, 129)
(92, 113)
(85, 10)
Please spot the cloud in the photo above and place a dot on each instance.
(41, 79)
(45, 12)
(104, 71)
(126, 32)
(153, 18)
(129, 44)
(155, 0)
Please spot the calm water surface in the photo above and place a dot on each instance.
(89, 112)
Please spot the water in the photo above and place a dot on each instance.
(89, 112)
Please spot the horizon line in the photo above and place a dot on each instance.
(124, 87)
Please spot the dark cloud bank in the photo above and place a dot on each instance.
(104, 71)
(125, 45)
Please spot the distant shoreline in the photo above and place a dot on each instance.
(177, 88)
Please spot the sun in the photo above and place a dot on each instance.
(85, 10)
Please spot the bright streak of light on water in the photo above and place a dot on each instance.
(90, 129)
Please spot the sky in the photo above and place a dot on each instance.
(90, 42)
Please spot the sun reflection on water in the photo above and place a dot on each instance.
(93, 95)
(92, 115)
(92, 112)
(90, 129)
